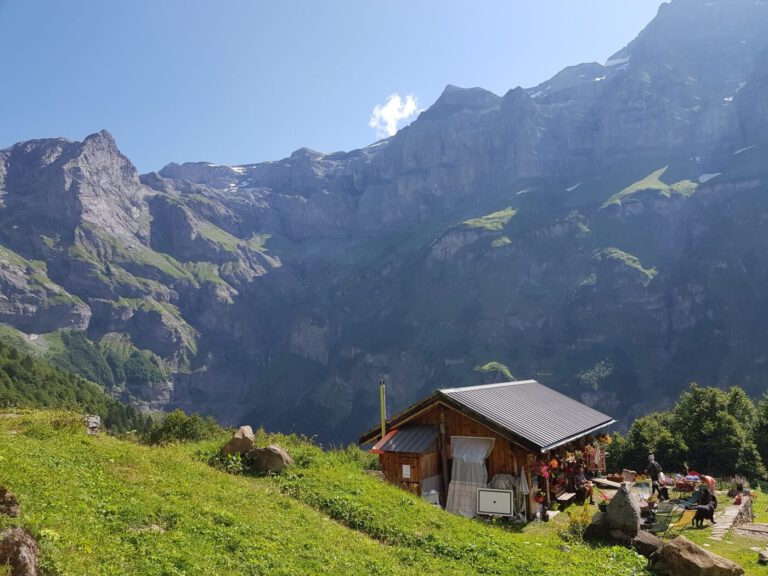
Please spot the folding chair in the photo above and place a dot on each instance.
(661, 524)
(665, 512)
(682, 523)
(692, 499)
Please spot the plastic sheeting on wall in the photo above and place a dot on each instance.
(468, 473)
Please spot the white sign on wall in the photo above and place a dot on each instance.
(406, 471)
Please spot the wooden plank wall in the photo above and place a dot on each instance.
(392, 467)
(505, 458)
(429, 466)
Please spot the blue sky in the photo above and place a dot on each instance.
(235, 81)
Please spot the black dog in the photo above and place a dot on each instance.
(705, 512)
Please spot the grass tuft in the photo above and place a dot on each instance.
(492, 222)
(625, 259)
(653, 181)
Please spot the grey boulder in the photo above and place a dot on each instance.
(681, 556)
(647, 544)
(269, 460)
(623, 512)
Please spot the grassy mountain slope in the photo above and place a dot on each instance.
(26, 381)
(103, 506)
(113, 362)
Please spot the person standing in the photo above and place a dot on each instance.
(653, 471)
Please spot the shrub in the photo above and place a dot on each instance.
(578, 520)
(362, 458)
(179, 427)
(229, 463)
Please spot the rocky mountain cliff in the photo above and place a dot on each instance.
(603, 232)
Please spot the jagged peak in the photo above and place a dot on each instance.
(100, 136)
(455, 99)
(306, 152)
(690, 26)
(451, 88)
(207, 173)
(518, 94)
(453, 93)
(152, 179)
(103, 142)
(102, 139)
(38, 142)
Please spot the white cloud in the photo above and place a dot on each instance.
(387, 117)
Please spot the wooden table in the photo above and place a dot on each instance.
(603, 483)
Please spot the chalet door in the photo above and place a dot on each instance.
(468, 473)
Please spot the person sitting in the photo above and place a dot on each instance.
(582, 485)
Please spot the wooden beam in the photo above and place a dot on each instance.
(547, 483)
(443, 456)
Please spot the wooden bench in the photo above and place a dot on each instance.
(564, 497)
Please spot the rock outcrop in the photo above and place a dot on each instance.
(647, 544)
(620, 525)
(31, 302)
(240, 443)
(762, 557)
(18, 549)
(623, 512)
(681, 556)
(9, 506)
(92, 424)
(270, 460)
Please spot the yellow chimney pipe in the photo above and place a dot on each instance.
(383, 404)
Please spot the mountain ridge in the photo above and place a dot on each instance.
(594, 232)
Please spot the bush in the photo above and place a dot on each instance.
(229, 463)
(179, 427)
(578, 520)
(362, 458)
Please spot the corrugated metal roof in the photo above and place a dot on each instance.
(531, 411)
(413, 439)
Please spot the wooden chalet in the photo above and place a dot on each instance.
(459, 439)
